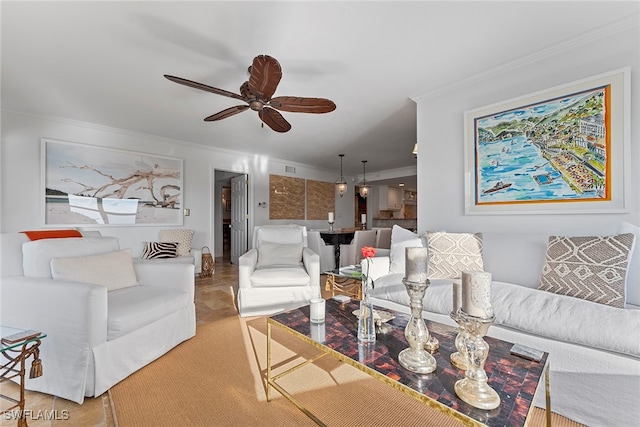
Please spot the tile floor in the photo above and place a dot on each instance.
(212, 302)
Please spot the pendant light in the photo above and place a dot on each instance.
(364, 188)
(341, 183)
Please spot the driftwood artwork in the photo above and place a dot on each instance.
(91, 185)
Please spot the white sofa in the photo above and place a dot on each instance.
(95, 337)
(594, 349)
(279, 273)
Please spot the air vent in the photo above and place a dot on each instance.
(290, 169)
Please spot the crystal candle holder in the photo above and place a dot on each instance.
(331, 227)
(415, 358)
(474, 389)
(459, 358)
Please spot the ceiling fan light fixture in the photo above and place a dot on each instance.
(364, 188)
(341, 183)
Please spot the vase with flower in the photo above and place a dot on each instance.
(366, 321)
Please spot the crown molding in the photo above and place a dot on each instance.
(622, 25)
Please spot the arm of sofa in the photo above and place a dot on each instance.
(311, 261)
(247, 264)
(376, 267)
(168, 275)
(74, 317)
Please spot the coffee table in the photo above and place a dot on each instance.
(514, 378)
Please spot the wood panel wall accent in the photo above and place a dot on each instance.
(286, 197)
(320, 199)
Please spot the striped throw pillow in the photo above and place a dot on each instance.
(157, 250)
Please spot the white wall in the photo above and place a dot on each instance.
(20, 155)
(441, 134)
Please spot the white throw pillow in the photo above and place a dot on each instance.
(113, 270)
(270, 254)
(452, 253)
(37, 255)
(588, 267)
(398, 254)
(181, 236)
(399, 234)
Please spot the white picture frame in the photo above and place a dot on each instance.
(85, 185)
(564, 150)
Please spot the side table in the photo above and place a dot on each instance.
(343, 282)
(16, 346)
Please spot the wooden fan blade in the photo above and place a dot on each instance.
(274, 120)
(265, 76)
(232, 111)
(295, 104)
(201, 86)
(245, 90)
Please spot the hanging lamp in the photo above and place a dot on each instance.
(341, 183)
(364, 188)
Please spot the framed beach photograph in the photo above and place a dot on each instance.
(563, 150)
(86, 185)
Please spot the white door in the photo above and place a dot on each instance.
(239, 217)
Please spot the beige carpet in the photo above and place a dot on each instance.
(216, 379)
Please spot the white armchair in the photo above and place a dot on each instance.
(326, 252)
(279, 273)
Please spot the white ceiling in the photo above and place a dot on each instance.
(103, 63)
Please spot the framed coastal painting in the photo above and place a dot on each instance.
(558, 151)
(84, 185)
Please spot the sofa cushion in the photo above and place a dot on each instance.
(113, 269)
(181, 236)
(397, 254)
(159, 250)
(452, 253)
(133, 308)
(588, 267)
(283, 254)
(37, 255)
(279, 276)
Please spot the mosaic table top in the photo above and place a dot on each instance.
(514, 378)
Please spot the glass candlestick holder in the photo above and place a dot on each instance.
(474, 389)
(331, 226)
(415, 358)
(459, 358)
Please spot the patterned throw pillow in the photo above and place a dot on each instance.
(180, 235)
(158, 250)
(590, 267)
(452, 253)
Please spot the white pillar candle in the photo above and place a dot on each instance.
(363, 218)
(317, 310)
(416, 260)
(330, 216)
(457, 295)
(476, 294)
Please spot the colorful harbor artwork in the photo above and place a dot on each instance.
(557, 150)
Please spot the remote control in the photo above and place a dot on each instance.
(20, 336)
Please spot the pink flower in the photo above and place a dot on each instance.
(368, 251)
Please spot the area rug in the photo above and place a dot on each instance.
(217, 379)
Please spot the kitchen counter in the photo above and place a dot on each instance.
(409, 224)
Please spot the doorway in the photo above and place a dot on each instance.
(230, 221)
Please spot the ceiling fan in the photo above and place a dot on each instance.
(264, 75)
